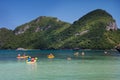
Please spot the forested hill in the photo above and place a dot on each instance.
(95, 30)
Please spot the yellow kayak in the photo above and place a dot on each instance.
(51, 56)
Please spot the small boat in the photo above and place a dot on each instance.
(82, 53)
(51, 56)
(21, 49)
(76, 54)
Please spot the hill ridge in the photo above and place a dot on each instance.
(95, 30)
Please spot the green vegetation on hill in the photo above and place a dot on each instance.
(95, 30)
(40, 33)
(6, 36)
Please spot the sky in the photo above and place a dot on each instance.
(14, 13)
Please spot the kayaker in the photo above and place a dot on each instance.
(29, 59)
(18, 55)
(32, 59)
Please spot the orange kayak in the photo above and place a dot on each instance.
(22, 57)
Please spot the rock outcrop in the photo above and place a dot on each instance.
(22, 30)
(111, 26)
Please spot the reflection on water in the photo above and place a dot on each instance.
(21, 60)
(31, 67)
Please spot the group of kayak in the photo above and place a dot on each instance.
(30, 59)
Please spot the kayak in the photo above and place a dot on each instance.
(50, 56)
(30, 62)
(22, 57)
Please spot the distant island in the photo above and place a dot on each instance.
(95, 30)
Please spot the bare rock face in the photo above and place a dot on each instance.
(37, 29)
(111, 26)
(81, 33)
(22, 30)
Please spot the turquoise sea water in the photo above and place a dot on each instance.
(94, 65)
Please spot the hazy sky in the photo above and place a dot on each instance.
(17, 12)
